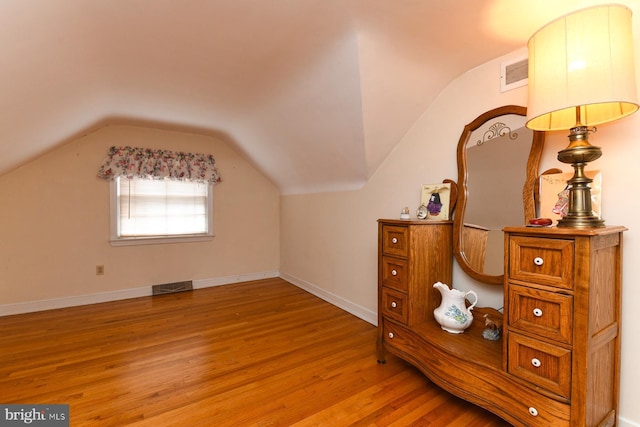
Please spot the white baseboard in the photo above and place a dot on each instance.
(220, 281)
(623, 422)
(72, 301)
(348, 306)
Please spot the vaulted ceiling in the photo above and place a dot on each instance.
(315, 93)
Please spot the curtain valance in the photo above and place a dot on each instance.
(134, 162)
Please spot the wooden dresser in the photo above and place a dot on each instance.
(557, 363)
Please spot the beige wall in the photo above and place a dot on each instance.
(329, 241)
(54, 223)
(338, 230)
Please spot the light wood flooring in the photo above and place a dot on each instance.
(261, 353)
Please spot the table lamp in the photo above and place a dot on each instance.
(581, 74)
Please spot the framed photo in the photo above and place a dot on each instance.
(436, 197)
(552, 186)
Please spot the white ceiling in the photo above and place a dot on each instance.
(315, 93)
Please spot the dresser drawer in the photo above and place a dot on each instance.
(540, 363)
(542, 261)
(394, 305)
(398, 337)
(395, 240)
(395, 273)
(542, 313)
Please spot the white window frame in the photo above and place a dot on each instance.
(114, 216)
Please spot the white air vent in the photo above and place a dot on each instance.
(514, 73)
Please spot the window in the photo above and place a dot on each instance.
(160, 211)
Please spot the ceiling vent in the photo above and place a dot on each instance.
(514, 73)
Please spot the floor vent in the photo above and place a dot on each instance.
(170, 288)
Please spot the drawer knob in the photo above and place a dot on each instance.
(394, 272)
(391, 335)
(533, 411)
(538, 261)
(537, 312)
(394, 240)
(536, 362)
(394, 304)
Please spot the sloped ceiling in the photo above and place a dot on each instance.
(316, 93)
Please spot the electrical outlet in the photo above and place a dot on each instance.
(99, 270)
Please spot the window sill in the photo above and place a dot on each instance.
(132, 241)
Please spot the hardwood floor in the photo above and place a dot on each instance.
(262, 353)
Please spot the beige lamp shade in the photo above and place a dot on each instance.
(584, 59)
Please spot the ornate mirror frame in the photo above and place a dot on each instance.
(528, 189)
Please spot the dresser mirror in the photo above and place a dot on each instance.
(498, 161)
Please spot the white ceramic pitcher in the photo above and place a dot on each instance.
(453, 314)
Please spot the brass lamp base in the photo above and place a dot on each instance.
(578, 154)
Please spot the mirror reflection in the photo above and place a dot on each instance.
(498, 160)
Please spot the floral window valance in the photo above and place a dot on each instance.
(134, 162)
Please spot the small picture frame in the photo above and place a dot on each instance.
(436, 197)
(552, 185)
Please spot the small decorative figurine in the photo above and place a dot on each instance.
(404, 214)
(422, 212)
(492, 328)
